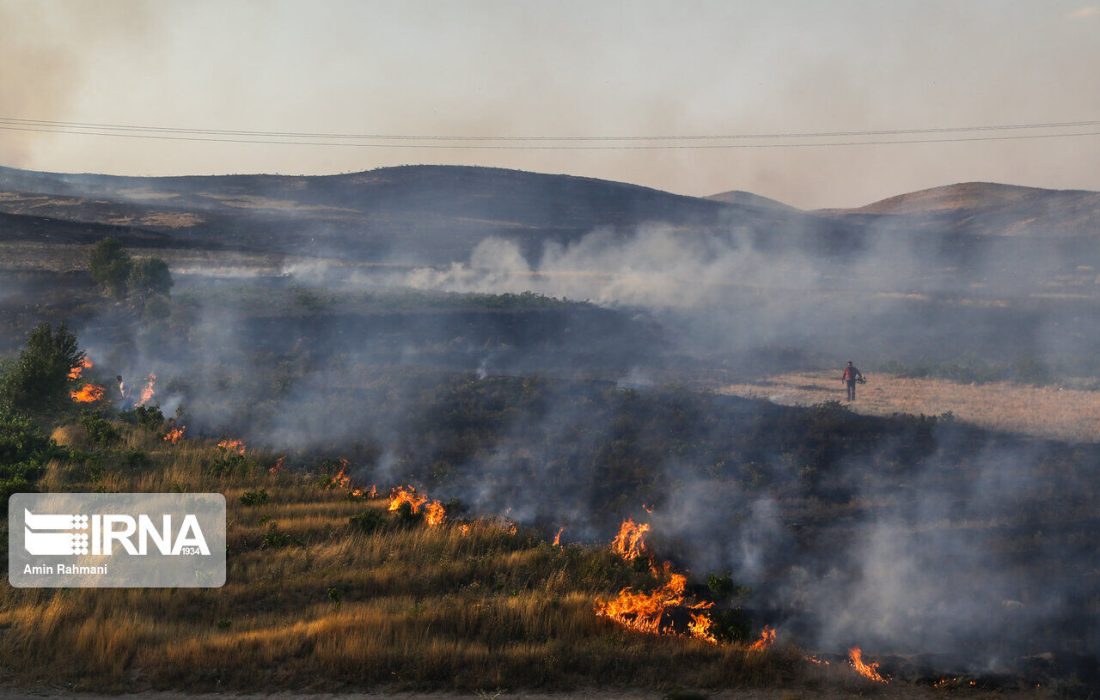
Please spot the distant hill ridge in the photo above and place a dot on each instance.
(752, 200)
(438, 213)
(971, 195)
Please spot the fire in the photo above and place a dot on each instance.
(630, 542)
(701, 627)
(357, 492)
(89, 393)
(868, 671)
(232, 446)
(406, 494)
(278, 466)
(340, 480)
(148, 390)
(557, 536)
(78, 370)
(434, 513)
(464, 529)
(174, 435)
(767, 638)
(815, 661)
(644, 612)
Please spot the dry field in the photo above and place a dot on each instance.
(314, 602)
(1047, 411)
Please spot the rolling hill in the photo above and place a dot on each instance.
(986, 209)
(437, 214)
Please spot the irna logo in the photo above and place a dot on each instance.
(77, 534)
(116, 540)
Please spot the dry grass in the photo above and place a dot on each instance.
(1067, 414)
(477, 607)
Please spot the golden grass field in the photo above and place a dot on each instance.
(475, 607)
(1039, 411)
(471, 605)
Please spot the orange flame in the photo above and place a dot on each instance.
(89, 393)
(701, 627)
(232, 446)
(630, 542)
(644, 612)
(464, 529)
(278, 466)
(340, 480)
(406, 494)
(148, 390)
(557, 537)
(174, 435)
(78, 370)
(868, 671)
(767, 638)
(434, 514)
(815, 661)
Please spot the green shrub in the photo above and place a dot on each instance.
(101, 432)
(110, 265)
(273, 539)
(255, 498)
(371, 520)
(37, 382)
(148, 417)
(134, 459)
(721, 585)
(228, 464)
(24, 451)
(149, 277)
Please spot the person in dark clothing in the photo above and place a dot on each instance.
(851, 376)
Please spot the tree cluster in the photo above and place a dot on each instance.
(123, 277)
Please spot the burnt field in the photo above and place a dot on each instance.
(937, 546)
(578, 376)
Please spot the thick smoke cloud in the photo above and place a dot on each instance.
(925, 564)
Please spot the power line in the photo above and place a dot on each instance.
(103, 127)
(557, 147)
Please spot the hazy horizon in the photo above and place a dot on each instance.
(516, 70)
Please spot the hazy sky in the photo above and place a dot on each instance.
(497, 68)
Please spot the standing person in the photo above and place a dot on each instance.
(851, 376)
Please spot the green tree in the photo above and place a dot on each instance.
(110, 266)
(149, 277)
(37, 382)
(24, 451)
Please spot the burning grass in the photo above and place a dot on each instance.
(655, 612)
(867, 670)
(438, 602)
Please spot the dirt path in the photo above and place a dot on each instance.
(1068, 414)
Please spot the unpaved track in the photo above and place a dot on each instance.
(1048, 411)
